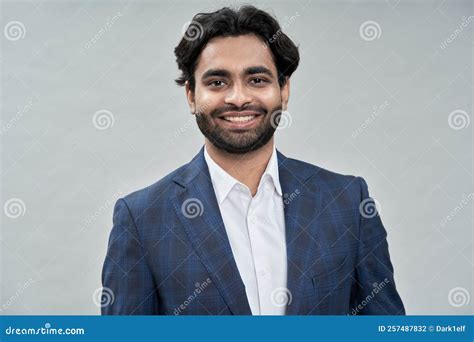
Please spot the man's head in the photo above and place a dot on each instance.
(236, 66)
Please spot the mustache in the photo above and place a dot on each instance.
(231, 108)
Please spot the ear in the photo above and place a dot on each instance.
(285, 94)
(190, 97)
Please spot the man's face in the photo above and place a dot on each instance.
(237, 99)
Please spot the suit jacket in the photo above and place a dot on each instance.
(169, 254)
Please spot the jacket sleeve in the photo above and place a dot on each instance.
(374, 291)
(128, 285)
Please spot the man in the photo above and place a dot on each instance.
(242, 229)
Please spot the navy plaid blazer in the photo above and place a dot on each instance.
(169, 254)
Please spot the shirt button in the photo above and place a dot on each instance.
(262, 272)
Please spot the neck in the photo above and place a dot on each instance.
(247, 168)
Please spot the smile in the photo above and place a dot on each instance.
(239, 118)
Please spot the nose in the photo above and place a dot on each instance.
(238, 95)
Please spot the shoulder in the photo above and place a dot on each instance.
(335, 187)
(323, 177)
(155, 193)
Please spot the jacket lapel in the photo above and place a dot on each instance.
(197, 208)
(301, 206)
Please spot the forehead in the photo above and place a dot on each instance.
(235, 54)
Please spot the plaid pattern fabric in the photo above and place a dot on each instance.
(168, 252)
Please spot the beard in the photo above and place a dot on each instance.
(243, 140)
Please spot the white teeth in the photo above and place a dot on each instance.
(239, 118)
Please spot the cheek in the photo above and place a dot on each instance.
(271, 97)
(207, 101)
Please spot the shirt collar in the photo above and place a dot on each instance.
(224, 182)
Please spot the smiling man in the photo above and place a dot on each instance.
(242, 229)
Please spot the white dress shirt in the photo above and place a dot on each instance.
(255, 227)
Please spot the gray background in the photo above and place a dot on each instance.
(65, 172)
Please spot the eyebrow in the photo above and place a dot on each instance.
(248, 71)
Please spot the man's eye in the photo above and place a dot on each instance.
(218, 83)
(257, 80)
